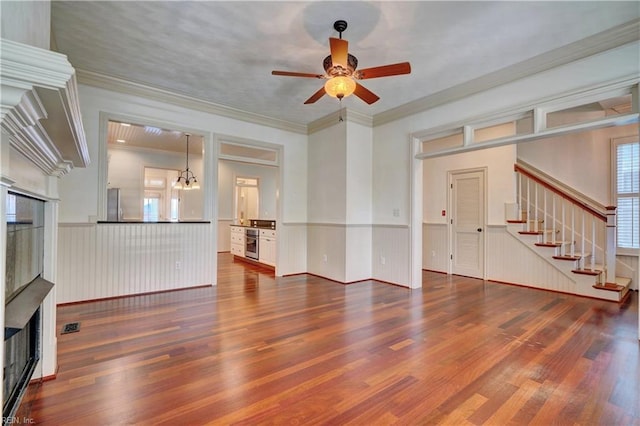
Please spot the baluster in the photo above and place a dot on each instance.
(535, 208)
(553, 218)
(582, 238)
(519, 195)
(528, 204)
(563, 248)
(593, 242)
(573, 230)
(545, 215)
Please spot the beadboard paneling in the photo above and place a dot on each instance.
(224, 234)
(509, 260)
(108, 260)
(435, 252)
(358, 253)
(391, 260)
(291, 255)
(326, 251)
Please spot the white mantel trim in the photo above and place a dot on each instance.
(37, 85)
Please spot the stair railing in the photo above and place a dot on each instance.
(564, 218)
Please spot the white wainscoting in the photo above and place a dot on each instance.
(107, 260)
(391, 259)
(358, 253)
(326, 251)
(224, 234)
(291, 256)
(435, 252)
(509, 260)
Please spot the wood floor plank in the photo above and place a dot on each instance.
(257, 349)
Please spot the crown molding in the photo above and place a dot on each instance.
(615, 37)
(39, 108)
(348, 115)
(107, 82)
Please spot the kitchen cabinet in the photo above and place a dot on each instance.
(237, 240)
(267, 246)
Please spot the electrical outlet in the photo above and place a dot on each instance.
(324, 257)
(178, 265)
(383, 260)
(433, 253)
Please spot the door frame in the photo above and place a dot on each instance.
(450, 177)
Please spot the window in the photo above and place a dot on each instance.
(151, 207)
(627, 191)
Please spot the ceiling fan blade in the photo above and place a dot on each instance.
(320, 93)
(365, 94)
(296, 74)
(339, 51)
(384, 71)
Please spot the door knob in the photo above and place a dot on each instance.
(479, 229)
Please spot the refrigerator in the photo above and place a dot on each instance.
(113, 204)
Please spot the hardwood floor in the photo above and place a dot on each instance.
(305, 350)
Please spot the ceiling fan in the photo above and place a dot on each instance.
(341, 74)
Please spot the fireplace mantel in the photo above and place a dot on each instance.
(39, 107)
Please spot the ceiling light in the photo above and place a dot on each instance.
(120, 140)
(340, 87)
(186, 179)
(125, 124)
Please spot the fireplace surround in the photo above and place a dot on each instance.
(24, 291)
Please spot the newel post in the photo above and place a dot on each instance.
(612, 245)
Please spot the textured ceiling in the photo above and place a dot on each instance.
(224, 52)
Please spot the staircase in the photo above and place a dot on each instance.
(574, 234)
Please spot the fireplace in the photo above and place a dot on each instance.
(25, 289)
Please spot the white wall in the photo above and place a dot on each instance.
(126, 171)
(268, 181)
(392, 163)
(81, 205)
(580, 160)
(79, 194)
(501, 181)
(340, 201)
(327, 175)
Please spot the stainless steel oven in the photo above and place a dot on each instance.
(252, 237)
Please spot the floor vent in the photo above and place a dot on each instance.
(71, 327)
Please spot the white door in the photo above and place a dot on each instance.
(467, 223)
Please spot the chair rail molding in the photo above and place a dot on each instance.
(39, 107)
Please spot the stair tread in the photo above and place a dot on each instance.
(624, 281)
(566, 257)
(587, 271)
(610, 287)
(539, 232)
(553, 243)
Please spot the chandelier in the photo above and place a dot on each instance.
(186, 179)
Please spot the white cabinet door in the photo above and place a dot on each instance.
(267, 247)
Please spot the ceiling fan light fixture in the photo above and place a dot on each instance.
(340, 87)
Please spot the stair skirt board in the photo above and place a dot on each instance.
(588, 282)
(595, 294)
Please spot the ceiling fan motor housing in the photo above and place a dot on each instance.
(352, 64)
